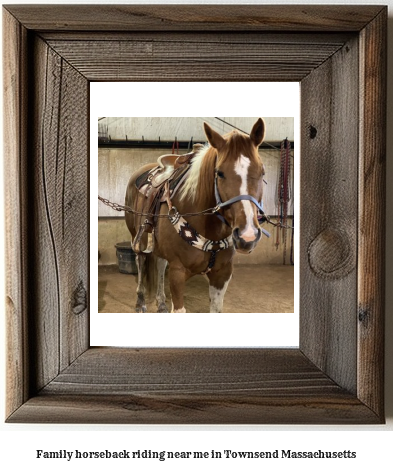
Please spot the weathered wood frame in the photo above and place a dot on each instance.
(338, 53)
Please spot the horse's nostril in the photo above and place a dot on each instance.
(252, 235)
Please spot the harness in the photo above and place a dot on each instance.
(160, 185)
(195, 239)
(159, 189)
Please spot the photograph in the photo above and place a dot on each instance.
(204, 203)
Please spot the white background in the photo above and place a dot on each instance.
(372, 443)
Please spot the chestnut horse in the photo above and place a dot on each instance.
(226, 175)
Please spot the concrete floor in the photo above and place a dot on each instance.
(253, 289)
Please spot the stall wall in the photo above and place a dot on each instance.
(115, 166)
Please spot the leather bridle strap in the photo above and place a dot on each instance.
(241, 197)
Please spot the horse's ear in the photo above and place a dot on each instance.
(214, 138)
(258, 132)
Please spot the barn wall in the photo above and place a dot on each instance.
(185, 128)
(114, 230)
(116, 165)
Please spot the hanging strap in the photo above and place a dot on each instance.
(175, 146)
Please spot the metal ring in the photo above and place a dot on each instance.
(173, 208)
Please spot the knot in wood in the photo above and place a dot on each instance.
(364, 316)
(80, 299)
(331, 254)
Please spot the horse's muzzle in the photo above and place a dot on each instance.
(245, 246)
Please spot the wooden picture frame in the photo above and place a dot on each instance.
(338, 54)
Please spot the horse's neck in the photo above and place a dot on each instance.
(208, 225)
(202, 198)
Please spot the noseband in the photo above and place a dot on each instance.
(241, 197)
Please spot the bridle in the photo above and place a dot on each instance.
(241, 197)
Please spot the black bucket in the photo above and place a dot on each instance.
(126, 258)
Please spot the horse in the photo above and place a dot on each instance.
(212, 215)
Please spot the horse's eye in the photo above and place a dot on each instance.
(220, 174)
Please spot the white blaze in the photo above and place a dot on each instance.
(241, 169)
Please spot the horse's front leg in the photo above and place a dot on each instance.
(160, 296)
(177, 283)
(140, 290)
(218, 284)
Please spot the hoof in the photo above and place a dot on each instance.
(141, 309)
(162, 308)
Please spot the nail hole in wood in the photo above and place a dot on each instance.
(313, 132)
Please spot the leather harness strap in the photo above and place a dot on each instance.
(157, 189)
(241, 197)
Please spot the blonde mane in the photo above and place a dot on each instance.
(197, 174)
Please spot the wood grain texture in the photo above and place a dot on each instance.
(128, 409)
(58, 239)
(329, 216)
(335, 377)
(187, 59)
(195, 17)
(201, 37)
(207, 371)
(193, 386)
(16, 225)
(372, 192)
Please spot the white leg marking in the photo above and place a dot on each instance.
(241, 169)
(140, 290)
(161, 266)
(217, 297)
(181, 310)
(140, 260)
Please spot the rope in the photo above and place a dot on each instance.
(209, 211)
(120, 207)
